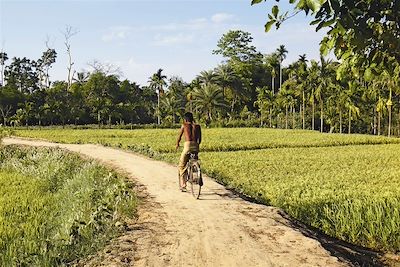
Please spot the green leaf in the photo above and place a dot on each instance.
(368, 74)
(254, 2)
(315, 22)
(268, 25)
(314, 5)
(328, 23)
(275, 10)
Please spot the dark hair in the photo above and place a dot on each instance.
(188, 117)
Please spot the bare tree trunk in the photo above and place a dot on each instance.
(379, 123)
(286, 117)
(2, 74)
(98, 118)
(280, 76)
(304, 111)
(390, 120)
(398, 134)
(68, 33)
(322, 116)
(313, 116)
(374, 122)
(349, 121)
(273, 85)
(270, 118)
(293, 117)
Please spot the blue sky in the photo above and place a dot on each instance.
(141, 36)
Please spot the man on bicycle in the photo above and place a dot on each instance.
(192, 134)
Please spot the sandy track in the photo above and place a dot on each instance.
(174, 229)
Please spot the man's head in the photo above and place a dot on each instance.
(188, 117)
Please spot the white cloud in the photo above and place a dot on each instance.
(116, 33)
(176, 39)
(222, 17)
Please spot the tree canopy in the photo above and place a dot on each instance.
(367, 32)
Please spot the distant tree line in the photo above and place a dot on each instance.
(248, 88)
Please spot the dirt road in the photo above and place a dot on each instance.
(174, 229)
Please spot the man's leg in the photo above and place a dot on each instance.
(182, 165)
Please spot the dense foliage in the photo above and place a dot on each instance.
(247, 89)
(56, 207)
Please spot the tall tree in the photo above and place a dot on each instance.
(272, 63)
(208, 99)
(44, 65)
(68, 33)
(236, 45)
(22, 74)
(281, 52)
(157, 82)
(3, 59)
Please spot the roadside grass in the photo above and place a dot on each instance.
(56, 207)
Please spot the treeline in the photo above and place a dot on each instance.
(247, 89)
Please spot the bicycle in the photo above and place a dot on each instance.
(193, 174)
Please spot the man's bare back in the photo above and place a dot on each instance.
(191, 131)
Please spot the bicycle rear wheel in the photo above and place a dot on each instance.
(195, 179)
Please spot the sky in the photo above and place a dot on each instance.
(141, 36)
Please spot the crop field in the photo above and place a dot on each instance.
(56, 207)
(346, 185)
(351, 192)
(215, 139)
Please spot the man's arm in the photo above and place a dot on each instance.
(179, 138)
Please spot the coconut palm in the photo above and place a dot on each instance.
(207, 77)
(272, 63)
(224, 77)
(81, 77)
(301, 76)
(157, 82)
(3, 59)
(208, 99)
(171, 106)
(265, 103)
(281, 52)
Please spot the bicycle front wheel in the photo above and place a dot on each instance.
(195, 180)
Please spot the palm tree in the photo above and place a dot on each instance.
(272, 62)
(81, 77)
(207, 77)
(224, 77)
(299, 76)
(265, 103)
(282, 52)
(157, 82)
(172, 107)
(311, 83)
(326, 73)
(208, 99)
(3, 59)
(353, 110)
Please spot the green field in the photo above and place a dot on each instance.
(341, 184)
(56, 207)
(215, 139)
